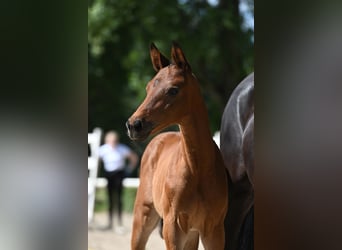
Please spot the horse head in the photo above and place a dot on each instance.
(169, 95)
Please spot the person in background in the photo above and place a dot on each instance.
(114, 156)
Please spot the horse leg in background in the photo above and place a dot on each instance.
(241, 199)
(160, 228)
(246, 237)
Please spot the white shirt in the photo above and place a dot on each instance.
(114, 158)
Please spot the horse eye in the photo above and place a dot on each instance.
(172, 91)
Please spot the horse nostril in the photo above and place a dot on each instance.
(137, 125)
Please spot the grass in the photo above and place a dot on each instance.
(101, 202)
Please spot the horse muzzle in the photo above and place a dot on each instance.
(138, 129)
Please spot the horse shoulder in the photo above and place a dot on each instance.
(157, 165)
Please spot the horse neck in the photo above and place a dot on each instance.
(197, 143)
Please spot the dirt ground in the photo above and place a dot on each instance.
(111, 240)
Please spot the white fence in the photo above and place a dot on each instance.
(94, 140)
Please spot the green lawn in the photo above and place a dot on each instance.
(101, 202)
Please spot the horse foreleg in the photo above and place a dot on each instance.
(214, 239)
(174, 237)
(192, 241)
(145, 220)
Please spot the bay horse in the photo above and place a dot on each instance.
(182, 178)
(237, 148)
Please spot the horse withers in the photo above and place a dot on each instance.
(182, 178)
(237, 147)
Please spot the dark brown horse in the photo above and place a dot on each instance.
(183, 178)
(237, 147)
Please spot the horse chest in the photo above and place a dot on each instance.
(174, 188)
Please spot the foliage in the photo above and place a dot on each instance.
(218, 48)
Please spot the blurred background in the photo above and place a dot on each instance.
(217, 37)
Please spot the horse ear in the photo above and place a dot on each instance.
(159, 61)
(178, 57)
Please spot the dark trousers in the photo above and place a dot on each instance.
(114, 191)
